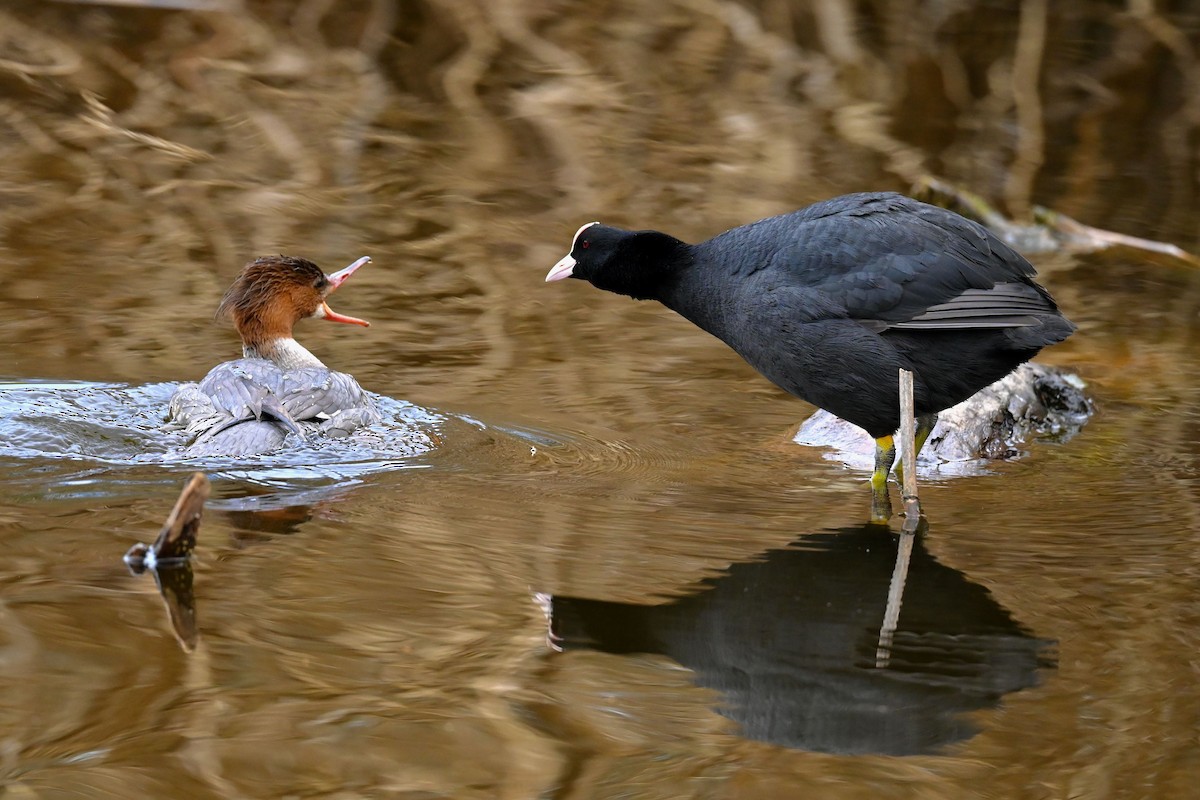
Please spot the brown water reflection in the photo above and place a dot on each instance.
(384, 639)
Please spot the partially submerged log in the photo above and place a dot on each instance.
(1050, 231)
(1033, 401)
(177, 538)
(168, 559)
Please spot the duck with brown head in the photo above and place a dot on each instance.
(278, 387)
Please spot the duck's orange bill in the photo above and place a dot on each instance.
(332, 316)
(336, 280)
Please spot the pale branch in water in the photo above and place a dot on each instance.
(1084, 238)
(1051, 231)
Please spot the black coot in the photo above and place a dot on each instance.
(830, 301)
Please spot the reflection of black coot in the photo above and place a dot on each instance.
(791, 641)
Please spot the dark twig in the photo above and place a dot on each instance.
(168, 559)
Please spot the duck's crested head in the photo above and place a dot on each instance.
(273, 293)
(634, 263)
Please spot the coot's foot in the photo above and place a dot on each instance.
(881, 503)
(925, 426)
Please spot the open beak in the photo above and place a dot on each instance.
(561, 270)
(339, 277)
(336, 280)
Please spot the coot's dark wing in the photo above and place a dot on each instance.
(892, 262)
(1005, 305)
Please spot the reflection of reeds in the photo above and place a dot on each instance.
(100, 117)
(729, 110)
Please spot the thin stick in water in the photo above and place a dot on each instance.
(908, 447)
(891, 614)
(912, 517)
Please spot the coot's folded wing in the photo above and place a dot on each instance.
(1005, 305)
(892, 262)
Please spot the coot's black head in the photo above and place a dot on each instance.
(634, 263)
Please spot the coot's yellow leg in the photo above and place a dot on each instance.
(925, 425)
(881, 503)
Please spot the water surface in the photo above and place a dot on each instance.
(379, 626)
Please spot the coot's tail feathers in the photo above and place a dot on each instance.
(1054, 328)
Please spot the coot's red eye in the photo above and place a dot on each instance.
(585, 244)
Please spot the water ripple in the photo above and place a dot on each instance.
(76, 432)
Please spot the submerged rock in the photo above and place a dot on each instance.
(1032, 401)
